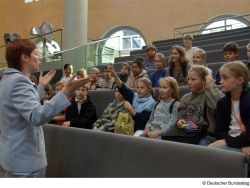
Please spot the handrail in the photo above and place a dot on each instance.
(176, 30)
(212, 21)
(39, 36)
(60, 29)
(209, 29)
(202, 46)
(84, 45)
(220, 37)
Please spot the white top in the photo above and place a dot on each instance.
(234, 127)
(65, 79)
(190, 53)
(210, 72)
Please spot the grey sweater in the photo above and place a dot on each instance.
(200, 107)
(160, 118)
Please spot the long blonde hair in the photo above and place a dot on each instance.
(203, 54)
(147, 82)
(237, 69)
(162, 58)
(200, 70)
(174, 85)
(81, 72)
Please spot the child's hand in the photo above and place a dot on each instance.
(246, 150)
(111, 68)
(96, 129)
(210, 80)
(154, 134)
(127, 105)
(145, 131)
(181, 121)
(130, 108)
(66, 124)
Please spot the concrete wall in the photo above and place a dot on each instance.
(157, 19)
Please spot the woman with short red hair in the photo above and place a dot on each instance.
(21, 113)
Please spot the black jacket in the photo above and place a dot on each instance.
(223, 120)
(85, 118)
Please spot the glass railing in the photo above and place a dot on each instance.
(47, 44)
(93, 54)
(222, 25)
(86, 56)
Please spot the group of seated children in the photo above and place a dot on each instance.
(223, 117)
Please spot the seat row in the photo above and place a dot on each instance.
(73, 152)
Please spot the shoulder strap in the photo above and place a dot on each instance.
(172, 106)
(156, 104)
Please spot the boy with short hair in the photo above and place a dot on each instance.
(107, 82)
(231, 52)
(82, 112)
(107, 120)
(149, 61)
(68, 71)
(188, 46)
(125, 72)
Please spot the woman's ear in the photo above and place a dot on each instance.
(24, 58)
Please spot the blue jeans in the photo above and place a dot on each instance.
(229, 148)
(207, 140)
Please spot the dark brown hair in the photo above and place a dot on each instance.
(151, 47)
(232, 47)
(183, 61)
(15, 49)
(139, 61)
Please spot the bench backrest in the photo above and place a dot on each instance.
(73, 152)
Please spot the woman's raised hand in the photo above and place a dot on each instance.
(72, 84)
(45, 80)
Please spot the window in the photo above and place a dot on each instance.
(223, 23)
(29, 1)
(122, 40)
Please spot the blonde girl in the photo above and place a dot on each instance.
(198, 106)
(232, 125)
(81, 73)
(139, 103)
(94, 78)
(165, 112)
(160, 72)
(199, 58)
